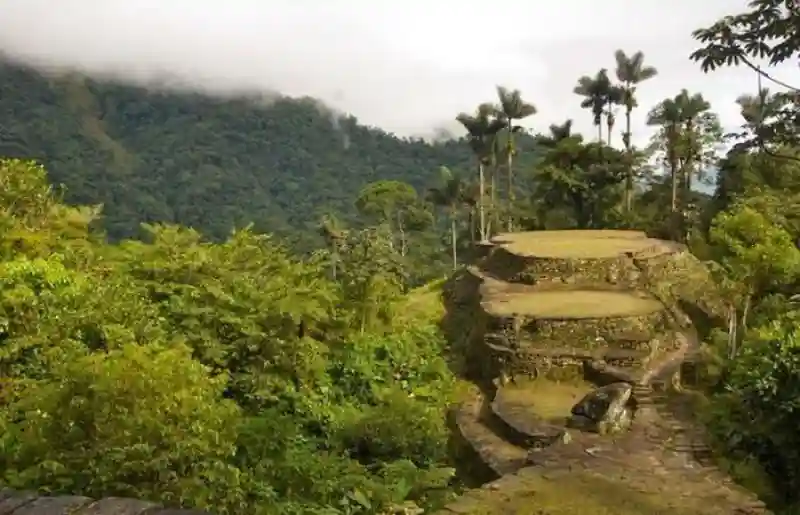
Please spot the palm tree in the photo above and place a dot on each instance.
(631, 71)
(449, 195)
(691, 108)
(597, 92)
(557, 134)
(756, 109)
(512, 108)
(667, 115)
(482, 128)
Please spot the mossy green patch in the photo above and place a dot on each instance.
(548, 400)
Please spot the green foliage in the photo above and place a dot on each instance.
(143, 421)
(229, 376)
(754, 252)
(756, 420)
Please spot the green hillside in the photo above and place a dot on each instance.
(202, 162)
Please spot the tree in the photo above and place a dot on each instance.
(766, 30)
(482, 128)
(330, 227)
(572, 172)
(693, 108)
(512, 108)
(390, 202)
(372, 276)
(557, 133)
(631, 71)
(758, 111)
(599, 95)
(667, 116)
(138, 421)
(449, 195)
(754, 255)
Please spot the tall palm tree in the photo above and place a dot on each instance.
(631, 71)
(691, 107)
(597, 92)
(449, 195)
(667, 115)
(482, 128)
(512, 107)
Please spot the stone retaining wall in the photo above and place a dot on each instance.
(29, 503)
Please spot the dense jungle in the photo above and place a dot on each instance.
(237, 305)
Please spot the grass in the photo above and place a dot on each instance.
(549, 400)
(575, 244)
(572, 305)
(577, 493)
(421, 305)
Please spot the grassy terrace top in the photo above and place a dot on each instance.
(570, 304)
(576, 244)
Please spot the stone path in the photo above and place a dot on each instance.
(662, 464)
(662, 461)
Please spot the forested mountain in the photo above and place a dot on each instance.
(207, 163)
(240, 376)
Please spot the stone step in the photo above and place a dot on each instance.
(494, 452)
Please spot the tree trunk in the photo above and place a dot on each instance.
(482, 202)
(626, 139)
(732, 339)
(492, 201)
(690, 161)
(453, 240)
(737, 326)
(512, 197)
(402, 231)
(472, 225)
(673, 170)
(582, 216)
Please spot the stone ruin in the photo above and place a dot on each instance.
(574, 338)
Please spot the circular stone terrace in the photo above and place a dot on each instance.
(579, 244)
(571, 304)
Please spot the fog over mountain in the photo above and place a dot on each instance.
(407, 67)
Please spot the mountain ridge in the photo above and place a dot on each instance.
(206, 162)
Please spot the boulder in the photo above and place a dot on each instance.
(605, 410)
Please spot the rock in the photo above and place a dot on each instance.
(604, 410)
(407, 508)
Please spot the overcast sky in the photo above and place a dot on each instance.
(407, 66)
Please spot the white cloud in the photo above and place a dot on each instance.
(405, 66)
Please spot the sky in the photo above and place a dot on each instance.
(406, 66)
